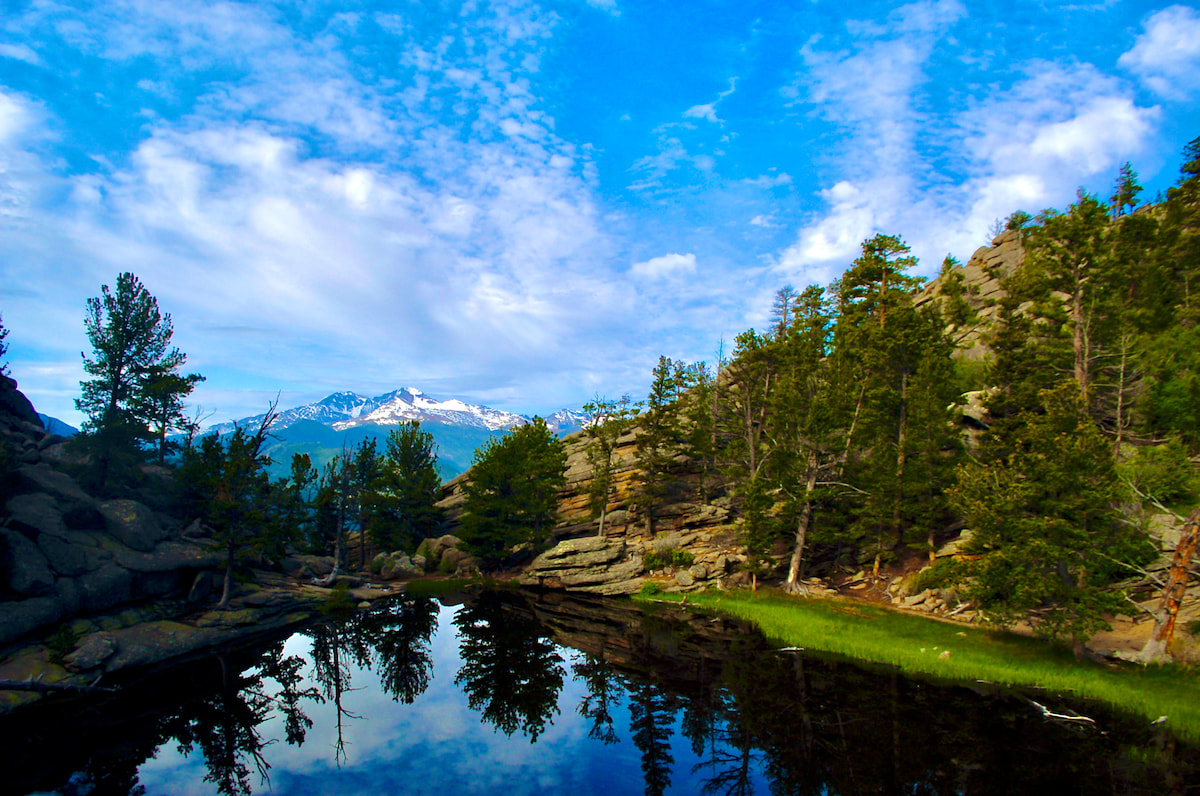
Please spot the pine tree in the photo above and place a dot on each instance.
(1069, 255)
(1125, 190)
(607, 421)
(658, 438)
(1042, 500)
(3, 348)
(162, 406)
(401, 500)
(228, 488)
(134, 375)
(512, 494)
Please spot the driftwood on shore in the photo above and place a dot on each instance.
(1158, 647)
(36, 685)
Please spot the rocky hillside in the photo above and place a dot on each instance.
(64, 553)
(707, 528)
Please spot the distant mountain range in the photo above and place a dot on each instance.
(344, 419)
(56, 426)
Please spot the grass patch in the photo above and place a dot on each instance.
(917, 645)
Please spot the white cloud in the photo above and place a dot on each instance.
(770, 180)
(16, 117)
(429, 241)
(1166, 57)
(763, 221)
(708, 112)
(22, 175)
(829, 243)
(665, 266)
(20, 52)
(1024, 146)
(1064, 125)
(606, 5)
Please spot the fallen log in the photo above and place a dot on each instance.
(36, 685)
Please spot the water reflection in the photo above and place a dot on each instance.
(511, 671)
(517, 695)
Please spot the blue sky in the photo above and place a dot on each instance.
(523, 204)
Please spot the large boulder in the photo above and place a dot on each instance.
(36, 513)
(77, 507)
(108, 586)
(591, 564)
(69, 558)
(21, 617)
(170, 557)
(133, 524)
(27, 570)
(15, 404)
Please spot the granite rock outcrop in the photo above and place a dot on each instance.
(64, 553)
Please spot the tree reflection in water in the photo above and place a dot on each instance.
(603, 693)
(393, 636)
(511, 671)
(224, 725)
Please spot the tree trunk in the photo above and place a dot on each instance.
(1079, 339)
(841, 467)
(339, 532)
(802, 525)
(1125, 346)
(901, 457)
(228, 587)
(1158, 647)
(603, 513)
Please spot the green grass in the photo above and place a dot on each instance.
(915, 645)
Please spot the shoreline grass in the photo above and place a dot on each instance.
(919, 646)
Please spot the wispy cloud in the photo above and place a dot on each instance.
(20, 52)
(769, 180)
(418, 247)
(708, 111)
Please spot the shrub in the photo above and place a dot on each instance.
(668, 557)
(1161, 471)
(649, 589)
(339, 600)
(62, 643)
(938, 575)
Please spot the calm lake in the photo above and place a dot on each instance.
(510, 693)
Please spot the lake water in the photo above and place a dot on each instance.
(511, 694)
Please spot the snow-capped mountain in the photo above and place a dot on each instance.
(330, 409)
(564, 421)
(346, 410)
(409, 404)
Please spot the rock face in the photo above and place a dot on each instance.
(589, 564)
(580, 560)
(63, 553)
(981, 289)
